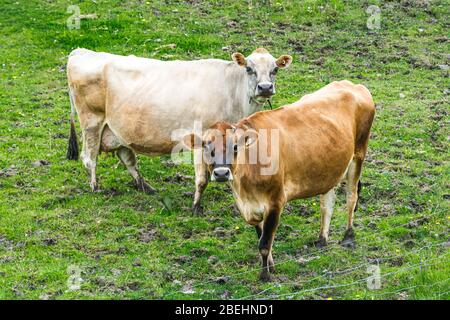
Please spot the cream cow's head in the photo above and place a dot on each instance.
(261, 68)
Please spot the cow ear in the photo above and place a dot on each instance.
(284, 61)
(192, 141)
(239, 59)
(249, 138)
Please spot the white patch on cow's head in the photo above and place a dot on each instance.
(261, 68)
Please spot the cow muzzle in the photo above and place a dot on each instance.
(265, 89)
(221, 174)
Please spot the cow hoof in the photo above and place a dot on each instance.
(320, 243)
(94, 186)
(272, 268)
(349, 239)
(197, 209)
(144, 187)
(264, 276)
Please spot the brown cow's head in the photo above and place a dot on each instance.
(224, 147)
(261, 68)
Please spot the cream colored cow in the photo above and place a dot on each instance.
(133, 105)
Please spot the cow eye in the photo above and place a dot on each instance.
(274, 71)
(209, 148)
(250, 70)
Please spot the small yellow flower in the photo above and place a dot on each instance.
(329, 298)
(237, 227)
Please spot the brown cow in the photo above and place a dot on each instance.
(321, 140)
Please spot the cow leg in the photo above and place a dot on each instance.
(353, 174)
(201, 181)
(91, 147)
(327, 201)
(270, 258)
(128, 158)
(269, 226)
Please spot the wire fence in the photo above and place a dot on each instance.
(344, 272)
(317, 252)
(404, 289)
(443, 293)
(359, 281)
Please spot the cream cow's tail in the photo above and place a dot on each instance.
(72, 150)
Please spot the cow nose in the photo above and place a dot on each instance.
(265, 88)
(221, 174)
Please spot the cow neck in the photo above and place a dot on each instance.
(254, 106)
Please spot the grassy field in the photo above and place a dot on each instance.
(55, 234)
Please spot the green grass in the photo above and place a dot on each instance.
(128, 245)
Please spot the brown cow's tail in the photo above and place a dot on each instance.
(72, 150)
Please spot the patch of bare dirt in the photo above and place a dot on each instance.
(417, 222)
(178, 178)
(40, 163)
(150, 233)
(8, 172)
